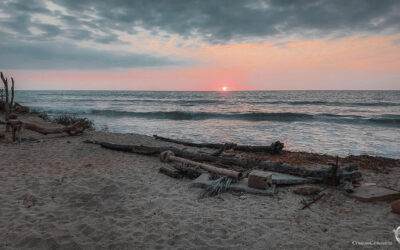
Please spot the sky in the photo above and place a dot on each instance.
(200, 44)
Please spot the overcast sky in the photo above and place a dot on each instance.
(201, 45)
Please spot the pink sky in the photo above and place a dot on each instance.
(201, 45)
(350, 63)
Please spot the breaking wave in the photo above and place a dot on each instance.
(390, 120)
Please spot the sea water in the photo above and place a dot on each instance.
(333, 122)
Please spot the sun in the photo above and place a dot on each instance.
(224, 88)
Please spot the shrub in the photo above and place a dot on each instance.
(68, 120)
(44, 116)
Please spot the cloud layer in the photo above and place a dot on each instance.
(56, 29)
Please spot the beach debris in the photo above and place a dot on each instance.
(307, 204)
(13, 116)
(7, 104)
(333, 178)
(396, 207)
(241, 186)
(287, 179)
(274, 148)
(364, 184)
(307, 190)
(18, 108)
(29, 200)
(170, 171)
(374, 193)
(168, 156)
(321, 175)
(259, 179)
(191, 172)
(17, 127)
(218, 186)
(348, 186)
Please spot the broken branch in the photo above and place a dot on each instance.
(315, 199)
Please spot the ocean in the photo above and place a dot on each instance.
(332, 122)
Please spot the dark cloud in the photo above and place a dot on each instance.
(221, 21)
(64, 57)
(215, 22)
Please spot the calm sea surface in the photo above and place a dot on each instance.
(333, 122)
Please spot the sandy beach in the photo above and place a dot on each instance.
(61, 193)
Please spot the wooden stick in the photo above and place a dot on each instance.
(316, 198)
(170, 156)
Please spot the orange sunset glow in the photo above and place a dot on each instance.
(368, 63)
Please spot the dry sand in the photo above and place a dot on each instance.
(60, 193)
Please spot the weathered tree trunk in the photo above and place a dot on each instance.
(7, 104)
(274, 148)
(12, 95)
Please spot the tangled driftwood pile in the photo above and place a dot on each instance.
(347, 172)
(239, 168)
(8, 106)
(18, 126)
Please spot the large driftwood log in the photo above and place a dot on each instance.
(274, 148)
(170, 156)
(18, 126)
(347, 172)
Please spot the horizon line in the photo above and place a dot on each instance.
(250, 90)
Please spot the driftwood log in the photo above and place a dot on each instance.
(170, 171)
(167, 156)
(346, 172)
(17, 127)
(18, 108)
(274, 148)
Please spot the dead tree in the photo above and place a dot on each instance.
(6, 104)
(12, 95)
